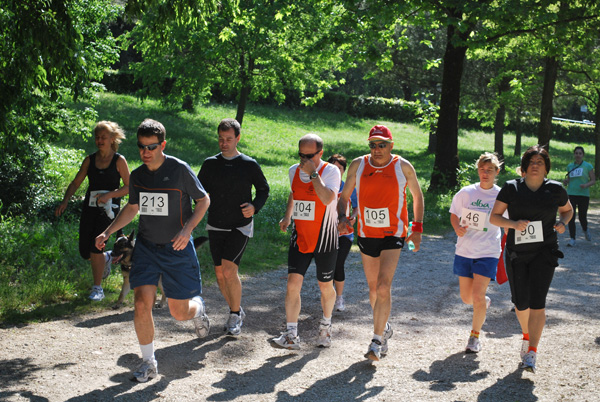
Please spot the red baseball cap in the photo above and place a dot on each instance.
(380, 133)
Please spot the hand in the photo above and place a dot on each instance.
(520, 225)
(415, 237)
(102, 199)
(307, 166)
(284, 223)
(181, 240)
(583, 185)
(101, 240)
(248, 210)
(343, 225)
(61, 208)
(559, 227)
(461, 231)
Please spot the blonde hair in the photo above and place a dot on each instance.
(116, 132)
(488, 157)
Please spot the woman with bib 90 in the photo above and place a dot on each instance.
(532, 250)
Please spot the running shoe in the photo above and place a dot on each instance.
(588, 236)
(235, 322)
(108, 257)
(287, 340)
(374, 352)
(339, 303)
(524, 348)
(474, 345)
(97, 293)
(528, 362)
(571, 243)
(201, 321)
(148, 369)
(324, 340)
(488, 301)
(387, 334)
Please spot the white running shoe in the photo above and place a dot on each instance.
(148, 369)
(201, 321)
(287, 340)
(374, 351)
(571, 243)
(387, 334)
(474, 345)
(324, 340)
(235, 322)
(97, 293)
(588, 236)
(339, 303)
(107, 264)
(528, 362)
(524, 348)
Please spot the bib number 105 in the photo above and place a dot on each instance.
(156, 204)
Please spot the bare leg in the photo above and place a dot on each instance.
(327, 298)
(97, 261)
(480, 285)
(292, 297)
(230, 284)
(142, 317)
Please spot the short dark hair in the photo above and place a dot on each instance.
(339, 158)
(535, 150)
(149, 128)
(228, 124)
(579, 147)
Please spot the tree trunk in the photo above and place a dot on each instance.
(499, 120)
(245, 74)
(545, 127)
(444, 175)
(518, 133)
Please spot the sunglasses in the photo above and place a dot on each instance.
(150, 147)
(307, 156)
(381, 145)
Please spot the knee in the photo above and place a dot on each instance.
(466, 299)
(478, 299)
(384, 290)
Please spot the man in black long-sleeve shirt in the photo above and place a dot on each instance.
(228, 177)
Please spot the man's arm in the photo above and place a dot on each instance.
(418, 201)
(182, 238)
(345, 195)
(125, 216)
(287, 218)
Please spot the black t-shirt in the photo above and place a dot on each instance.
(108, 179)
(540, 205)
(164, 198)
(229, 183)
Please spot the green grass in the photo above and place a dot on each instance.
(42, 275)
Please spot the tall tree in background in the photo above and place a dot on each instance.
(253, 50)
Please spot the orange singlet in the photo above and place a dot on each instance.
(381, 199)
(315, 222)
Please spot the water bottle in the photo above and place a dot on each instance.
(411, 245)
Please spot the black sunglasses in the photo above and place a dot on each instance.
(150, 147)
(381, 145)
(307, 156)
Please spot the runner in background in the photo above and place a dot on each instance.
(579, 178)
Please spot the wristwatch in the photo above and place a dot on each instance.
(314, 175)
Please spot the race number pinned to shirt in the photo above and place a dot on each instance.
(304, 210)
(576, 172)
(377, 217)
(156, 204)
(473, 219)
(93, 194)
(533, 233)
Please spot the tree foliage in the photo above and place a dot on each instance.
(51, 52)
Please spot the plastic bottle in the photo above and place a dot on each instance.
(411, 245)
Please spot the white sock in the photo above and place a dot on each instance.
(200, 310)
(378, 337)
(147, 351)
(325, 320)
(293, 326)
(97, 287)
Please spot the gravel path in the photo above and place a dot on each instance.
(90, 357)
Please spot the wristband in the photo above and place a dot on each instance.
(562, 223)
(417, 227)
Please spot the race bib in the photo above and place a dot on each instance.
(576, 172)
(156, 204)
(473, 219)
(93, 200)
(304, 210)
(377, 217)
(533, 233)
